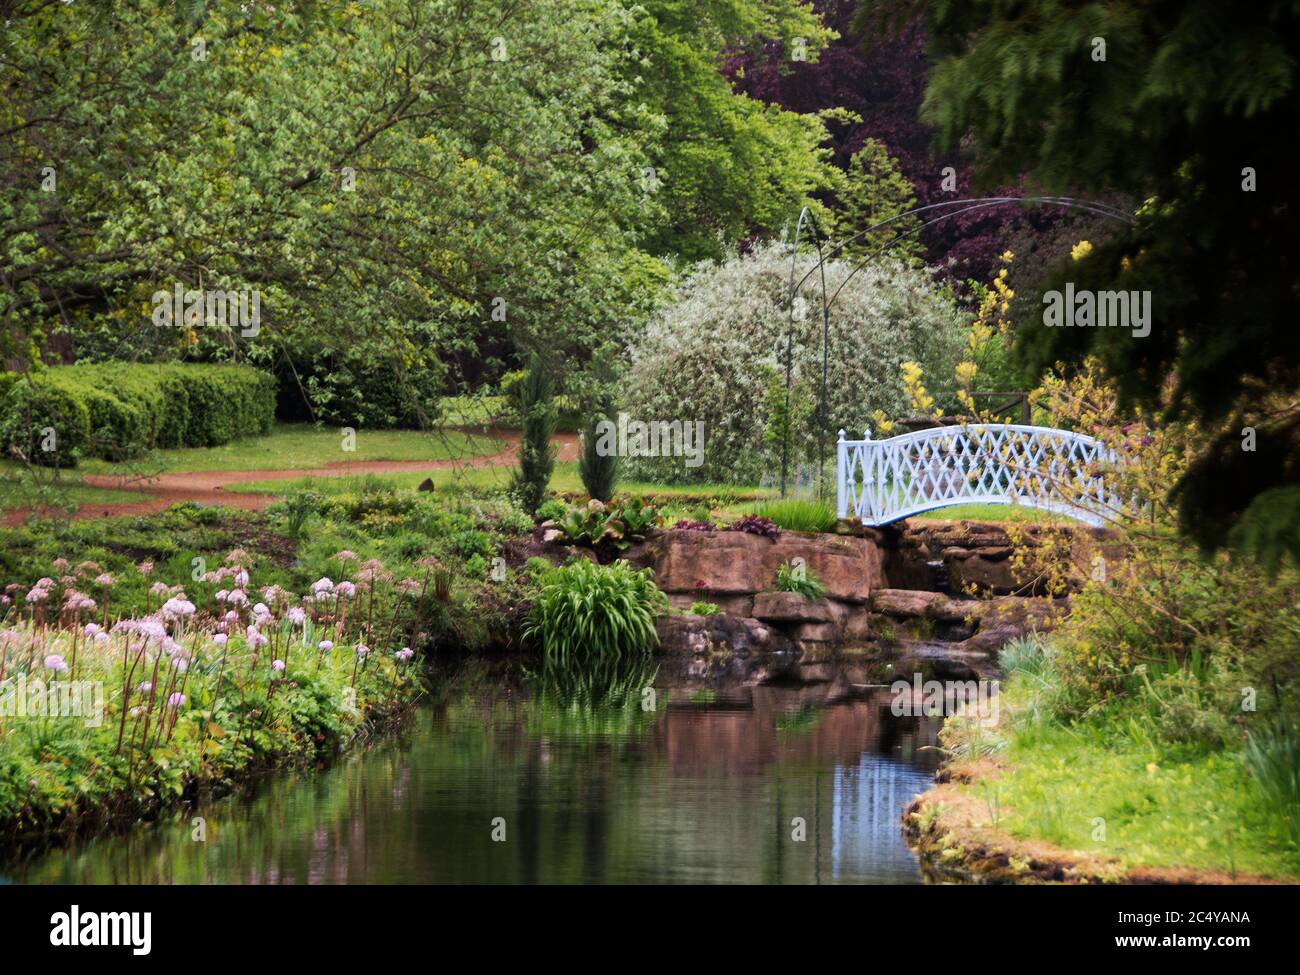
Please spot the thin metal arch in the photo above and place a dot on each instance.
(806, 216)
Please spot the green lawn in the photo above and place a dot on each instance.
(68, 492)
(994, 512)
(303, 445)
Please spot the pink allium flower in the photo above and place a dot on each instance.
(241, 578)
(322, 585)
(178, 607)
(145, 687)
(176, 700)
(106, 580)
(220, 639)
(346, 556)
(405, 654)
(362, 650)
(345, 589)
(144, 568)
(297, 616)
(277, 666)
(38, 595)
(327, 645)
(222, 595)
(151, 627)
(55, 663)
(91, 629)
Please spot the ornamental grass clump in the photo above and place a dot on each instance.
(799, 514)
(595, 624)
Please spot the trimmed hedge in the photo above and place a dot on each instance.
(118, 410)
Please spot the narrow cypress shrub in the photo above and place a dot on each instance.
(599, 472)
(536, 404)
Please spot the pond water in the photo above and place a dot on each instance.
(687, 793)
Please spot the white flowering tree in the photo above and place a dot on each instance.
(717, 354)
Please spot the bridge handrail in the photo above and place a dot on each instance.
(995, 480)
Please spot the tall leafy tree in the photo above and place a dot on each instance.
(728, 165)
(397, 178)
(1186, 105)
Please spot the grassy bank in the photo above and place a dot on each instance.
(1103, 798)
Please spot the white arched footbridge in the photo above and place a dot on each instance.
(882, 481)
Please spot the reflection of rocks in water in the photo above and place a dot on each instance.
(790, 726)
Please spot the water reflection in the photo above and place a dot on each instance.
(685, 794)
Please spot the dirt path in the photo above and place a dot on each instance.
(209, 487)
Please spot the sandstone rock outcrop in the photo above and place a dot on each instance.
(711, 564)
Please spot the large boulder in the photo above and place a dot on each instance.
(726, 563)
(790, 607)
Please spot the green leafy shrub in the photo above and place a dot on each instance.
(594, 524)
(116, 411)
(551, 510)
(799, 579)
(707, 355)
(799, 514)
(705, 609)
(358, 385)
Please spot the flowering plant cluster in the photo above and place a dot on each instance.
(707, 357)
(108, 713)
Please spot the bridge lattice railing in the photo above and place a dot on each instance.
(882, 481)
